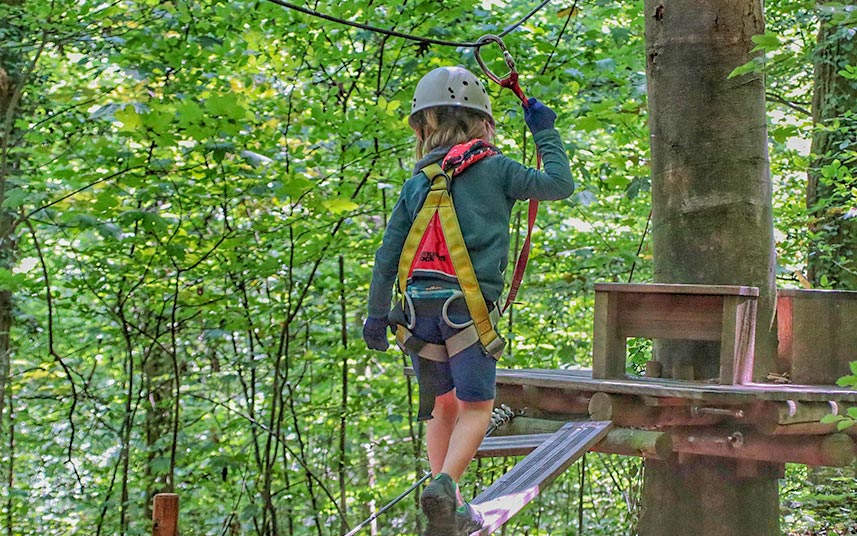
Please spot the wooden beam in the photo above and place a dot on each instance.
(837, 450)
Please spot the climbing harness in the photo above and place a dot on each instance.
(435, 248)
(510, 81)
(499, 417)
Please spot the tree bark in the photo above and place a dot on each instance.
(711, 188)
(832, 252)
(712, 224)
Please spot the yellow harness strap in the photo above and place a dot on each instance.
(439, 201)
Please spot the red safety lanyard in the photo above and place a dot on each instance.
(511, 82)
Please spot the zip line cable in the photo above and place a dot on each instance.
(394, 33)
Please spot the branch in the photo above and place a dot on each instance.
(52, 351)
(777, 98)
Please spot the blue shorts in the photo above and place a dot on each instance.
(471, 372)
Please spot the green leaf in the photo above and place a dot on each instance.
(766, 42)
(15, 198)
(339, 205)
(755, 65)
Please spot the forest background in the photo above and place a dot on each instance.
(192, 192)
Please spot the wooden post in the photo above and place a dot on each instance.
(608, 345)
(165, 515)
(737, 340)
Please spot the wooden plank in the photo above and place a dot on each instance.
(663, 288)
(707, 393)
(684, 331)
(818, 334)
(661, 308)
(661, 387)
(515, 489)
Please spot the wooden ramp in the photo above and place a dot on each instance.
(515, 489)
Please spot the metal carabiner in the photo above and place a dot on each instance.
(510, 62)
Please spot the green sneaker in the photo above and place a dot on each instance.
(468, 520)
(438, 502)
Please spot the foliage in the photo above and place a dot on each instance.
(199, 190)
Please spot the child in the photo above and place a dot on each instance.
(451, 117)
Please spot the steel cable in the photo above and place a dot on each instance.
(394, 33)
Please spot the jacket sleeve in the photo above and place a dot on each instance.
(387, 259)
(554, 182)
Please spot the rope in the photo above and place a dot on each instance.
(394, 33)
(499, 417)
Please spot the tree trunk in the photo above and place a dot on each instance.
(832, 251)
(158, 424)
(8, 86)
(712, 224)
(12, 78)
(831, 256)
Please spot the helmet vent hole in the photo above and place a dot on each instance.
(465, 98)
(452, 96)
(465, 83)
(450, 90)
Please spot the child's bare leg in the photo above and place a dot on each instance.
(439, 429)
(473, 419)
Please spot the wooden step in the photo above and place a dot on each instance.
(515, 489)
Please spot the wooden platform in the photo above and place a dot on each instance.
(581, 380)
(515, 489)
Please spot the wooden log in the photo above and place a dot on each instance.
(630, 442)
(633, 411)
(165, 515)
(544, 399)
(837, 450)
(796, 418)
(624, 441)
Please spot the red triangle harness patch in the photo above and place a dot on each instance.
(432, 258)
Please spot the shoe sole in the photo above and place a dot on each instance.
(440, 512)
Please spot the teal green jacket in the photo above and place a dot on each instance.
(484, 195)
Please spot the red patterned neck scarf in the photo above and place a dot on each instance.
(465, 154)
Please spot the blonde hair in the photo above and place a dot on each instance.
(445, 126)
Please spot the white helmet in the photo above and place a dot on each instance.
(450, 86)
